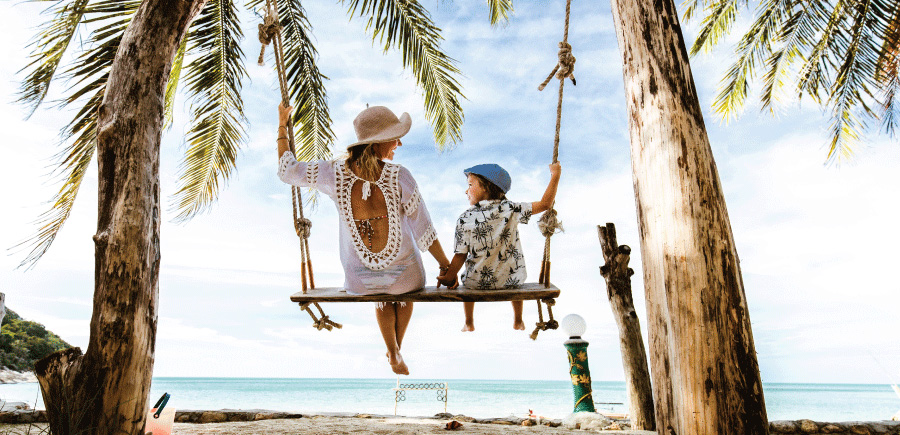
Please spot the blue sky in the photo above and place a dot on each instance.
(816, 242)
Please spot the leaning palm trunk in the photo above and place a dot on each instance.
(705, 374)
(105, 390)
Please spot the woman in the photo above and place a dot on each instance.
(383, 217)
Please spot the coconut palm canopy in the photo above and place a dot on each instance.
(842, 54)
(210, 67)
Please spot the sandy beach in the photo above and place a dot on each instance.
(321, 425)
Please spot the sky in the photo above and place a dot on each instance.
(817, 241)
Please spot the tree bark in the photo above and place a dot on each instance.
(705, 374)
(105, 390)
(634, 358)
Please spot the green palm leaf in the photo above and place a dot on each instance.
(89, 73)
(48, 49)
(406, 25)
(500, 10)
(306, 87)
(214, 85)
(172, 84)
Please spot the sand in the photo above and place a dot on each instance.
(326, 425)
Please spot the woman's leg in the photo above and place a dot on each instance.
(403, 315)
(386, 316)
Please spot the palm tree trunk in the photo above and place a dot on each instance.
(105, 390)
(705, 374)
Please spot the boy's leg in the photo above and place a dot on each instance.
(404, 314)
(469, 308)
(386, 316)
(518, 323)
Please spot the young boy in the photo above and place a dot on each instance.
(487, 236)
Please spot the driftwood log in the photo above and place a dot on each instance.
(634, 358)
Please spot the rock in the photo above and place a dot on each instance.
(14, 377)
(528, 422)
(614, 426)
(213, 417)
(13, 406)
(860, 429)
(832, 428)
(808, 426)
(782, 426)
(586, 421)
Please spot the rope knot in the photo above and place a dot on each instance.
(268, 29)
(303, 227)
(566, 62)
(549, 224)
(565, 65)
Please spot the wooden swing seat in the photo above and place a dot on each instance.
(526, 292)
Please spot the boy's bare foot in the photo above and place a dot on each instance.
(397, 364)
(519, 325)
(468, 327)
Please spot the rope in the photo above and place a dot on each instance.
(565, 68)
(270, 33)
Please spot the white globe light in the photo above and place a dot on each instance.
(574, 325)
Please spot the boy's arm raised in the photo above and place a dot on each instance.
(550, 194)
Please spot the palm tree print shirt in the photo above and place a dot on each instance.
(488, 234)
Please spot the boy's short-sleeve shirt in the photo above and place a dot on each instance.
(488, 234)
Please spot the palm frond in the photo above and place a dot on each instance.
(407, 26)
(172, 84)
(717, 24)
(796, 33)
(214, 86)
(500, 11)
(850, 90)
(886, 75)
(49, 45)
(754, 47)
(89, 72)
(306, 87)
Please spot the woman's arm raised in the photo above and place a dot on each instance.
(284, 117)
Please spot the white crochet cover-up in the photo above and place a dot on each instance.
(398, 267)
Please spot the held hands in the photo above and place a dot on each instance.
(445, 279)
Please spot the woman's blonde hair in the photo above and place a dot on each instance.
(366, 161)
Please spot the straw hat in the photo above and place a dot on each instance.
(378, 124)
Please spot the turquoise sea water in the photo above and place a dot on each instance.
(478, 398)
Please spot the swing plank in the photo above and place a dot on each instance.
(525, 292)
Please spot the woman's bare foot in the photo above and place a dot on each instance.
(519, 325)
(468, 327)
(397, 364)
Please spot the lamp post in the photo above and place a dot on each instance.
(579, 372)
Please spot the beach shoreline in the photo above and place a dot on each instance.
(275, 423)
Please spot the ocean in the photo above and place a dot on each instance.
(478, 398)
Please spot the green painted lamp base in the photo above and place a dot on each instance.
(581, 375)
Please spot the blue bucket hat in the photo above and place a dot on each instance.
(493, 173)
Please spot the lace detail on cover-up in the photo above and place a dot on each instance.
(389, 185)
(427, 239)
(287, 159)
(412, 204)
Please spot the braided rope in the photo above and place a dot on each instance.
(270, 33)
(565, 68)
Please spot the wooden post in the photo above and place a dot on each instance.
(634, 358)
